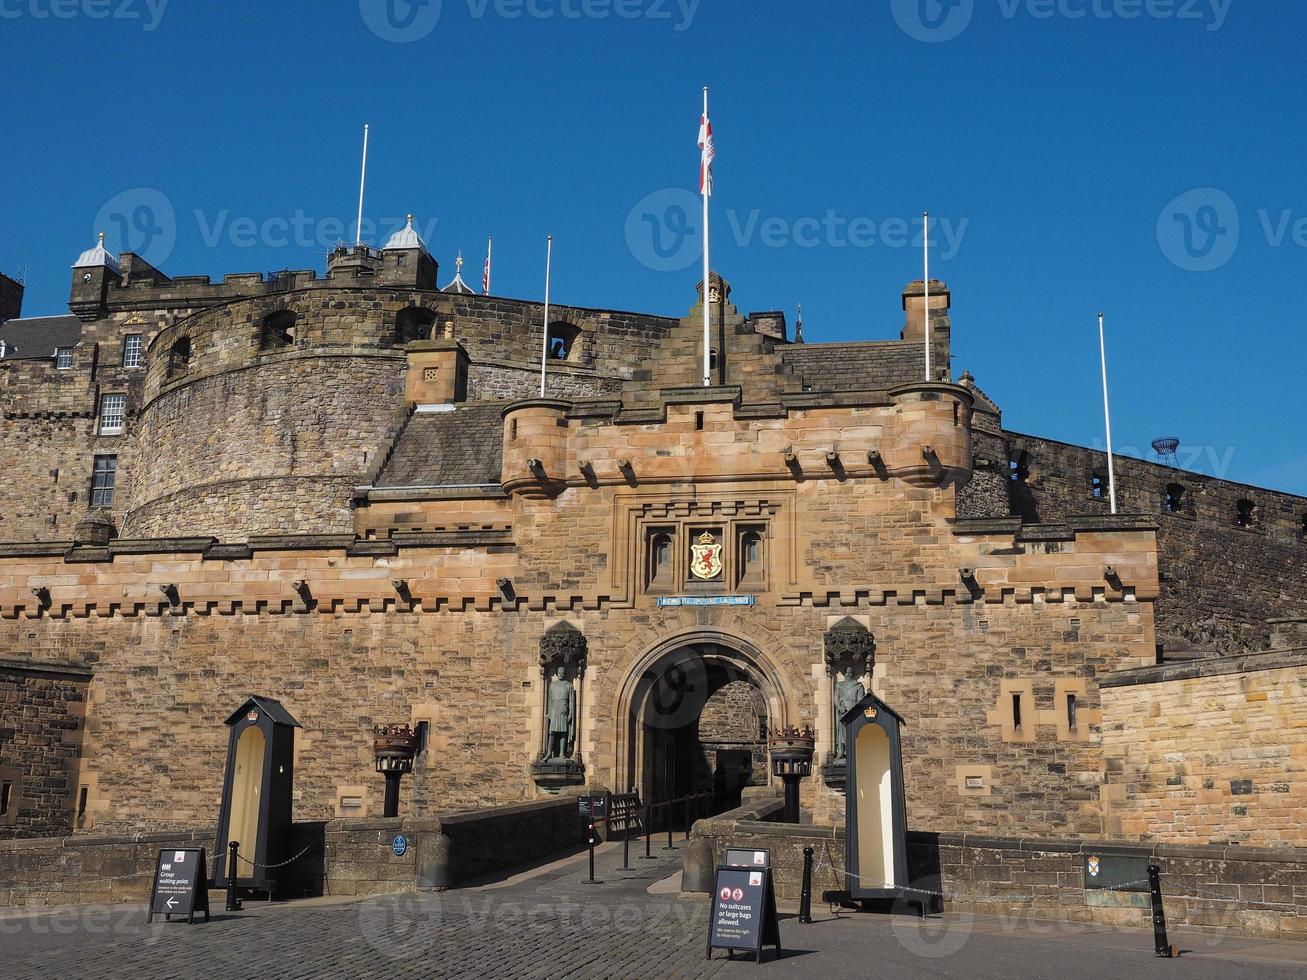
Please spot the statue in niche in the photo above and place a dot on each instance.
(848, 692)
(561, 716)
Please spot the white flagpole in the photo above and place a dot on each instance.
(925, 281)
(1107, 416)
(703, 176)
(363, 177)
(544, 343)
(489, 244)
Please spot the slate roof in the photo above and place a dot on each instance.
(36, 337)
(464, 447)
(868, 365)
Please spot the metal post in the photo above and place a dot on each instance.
(626, 835)
(233, 903)
(391, 805)
(648, 829)
(1161, 947)
(805, 896)
(668, 805)
(791, 814)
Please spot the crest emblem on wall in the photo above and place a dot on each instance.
(1093, 867)
(706, 557)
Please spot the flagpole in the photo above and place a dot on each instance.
(544, 343)
(363, 177)
(485, 286)
(925, 281)
(706, 181)
(1107, 416)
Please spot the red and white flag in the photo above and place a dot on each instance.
(485, 273)
(707, 152)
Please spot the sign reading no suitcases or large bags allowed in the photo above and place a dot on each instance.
(744, 912)
(180, 884)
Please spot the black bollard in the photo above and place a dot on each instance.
(1161, 947)
(233, 903)
(626, 838)
(805, 896)
(592, 838)
(668, 817)
(648, 830)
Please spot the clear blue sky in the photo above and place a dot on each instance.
(1057, 146)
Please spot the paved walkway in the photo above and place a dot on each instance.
(548, 922)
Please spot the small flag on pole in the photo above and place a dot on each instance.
(707, 153)
(485, 273)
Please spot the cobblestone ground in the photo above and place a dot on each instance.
(553, 924)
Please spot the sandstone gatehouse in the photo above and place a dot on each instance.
(346, 493)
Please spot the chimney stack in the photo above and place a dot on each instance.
(11, 298)
(914, 295)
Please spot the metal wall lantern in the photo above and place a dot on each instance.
(875, 824)
(256, 793)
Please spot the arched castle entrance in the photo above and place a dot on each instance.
(694, 710)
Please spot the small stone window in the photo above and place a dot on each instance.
(712, 359)
(1071, 712)
(6, 794)
(751, 558)
(278, 330)
(430, 374)
(104, 474)
(562, 341)
(414, 323)
(112, 408)
(1098, 484)
(179, 357)
(1018, 467)
(63, 358)
(1016, 710)
(1245, 513)
(1173, 499)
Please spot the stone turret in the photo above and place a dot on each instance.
(535, 447)
(405, 260)
(93, 273)
(11, 298)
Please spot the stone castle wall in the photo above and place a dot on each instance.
(1209, 752)
(1221, 582)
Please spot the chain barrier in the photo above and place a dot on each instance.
(279, 864)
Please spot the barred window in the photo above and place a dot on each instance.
(63, 358)
(111, 414)
(104, 474)
(133, 349)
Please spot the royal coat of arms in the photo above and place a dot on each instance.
(706, 557)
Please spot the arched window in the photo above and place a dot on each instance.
(1098, 484)
(712, 359)
(414, 323)
(1245, 513)
(751, 557)
(562, 341)
(1173, 498)
(179, 356)
(278, 330)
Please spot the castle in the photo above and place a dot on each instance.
(347, 493)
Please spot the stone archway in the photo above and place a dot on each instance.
(659, 752)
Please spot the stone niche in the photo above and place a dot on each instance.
(850, 654)
(562, 667)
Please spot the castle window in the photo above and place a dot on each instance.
(751, 558)
(81, 802)
(112, 408)
(1071, 712)
(104, 473)
(179, 356)
(133, 350)
(6, 793)
(1245, 513)
(562, 341)
(1016, 710)
(414, 323)
(1018, 467)
(712, 359)
(1173, 498)
(63, 358)
(1098, 484)
(278, 330)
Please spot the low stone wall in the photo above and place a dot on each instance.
(1248, 891)
(339, 857)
